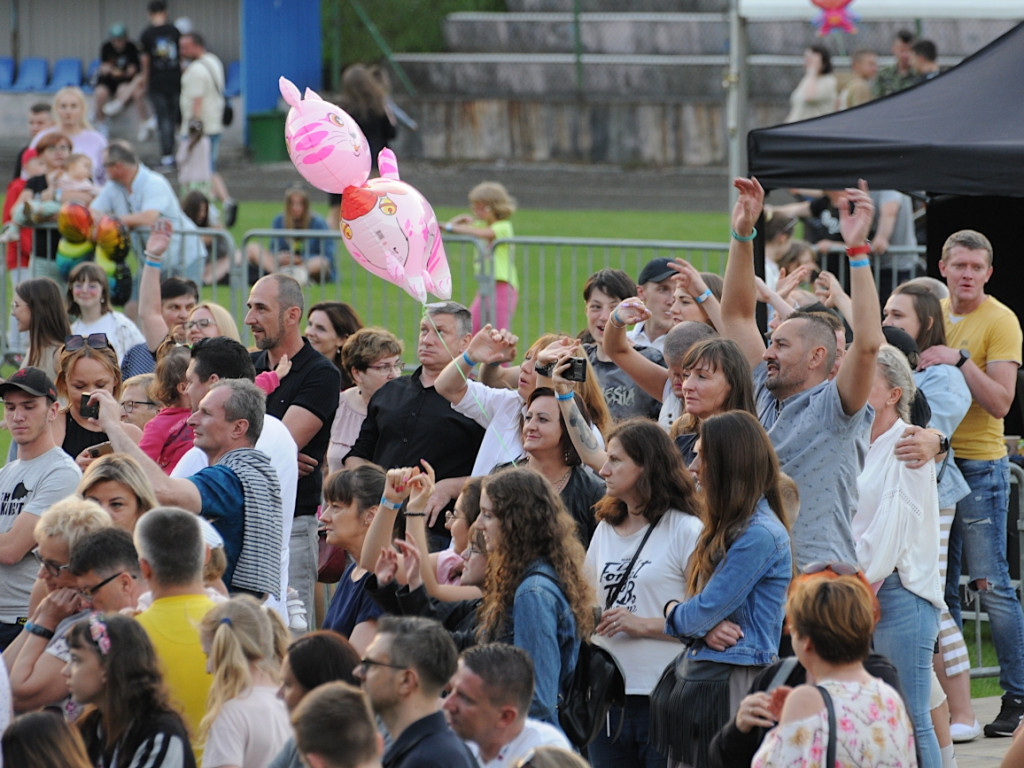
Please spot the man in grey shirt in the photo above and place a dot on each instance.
(820, 428)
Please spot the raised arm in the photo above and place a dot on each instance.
(176, 492)
(489, 345)
(739, 294)
(650, 376)
(688, 279)
(151, 317)
(857, 372)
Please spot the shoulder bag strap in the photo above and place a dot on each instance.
(213, 75)
(830, 753)
(613, 595)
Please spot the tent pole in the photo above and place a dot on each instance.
(737, 96)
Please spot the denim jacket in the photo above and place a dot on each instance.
(748, 587)
(544, 626)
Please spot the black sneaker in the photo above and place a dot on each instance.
(1010, 714)
(230, 213)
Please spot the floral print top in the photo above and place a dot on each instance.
(872, 725)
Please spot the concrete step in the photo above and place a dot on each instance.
(615, 6)
(552, 76)
(620, 33)
(648, 33)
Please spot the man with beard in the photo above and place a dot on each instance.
(305, 402)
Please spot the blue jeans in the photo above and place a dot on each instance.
(979, 533)
(906, 635)
(630, 749)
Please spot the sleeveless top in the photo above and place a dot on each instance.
(77, 438)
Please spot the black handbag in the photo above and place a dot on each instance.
(227, 116)
(598, 682)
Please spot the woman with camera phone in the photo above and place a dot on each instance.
(499, 409)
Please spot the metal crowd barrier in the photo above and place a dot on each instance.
(220, 246)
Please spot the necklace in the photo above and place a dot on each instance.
(560, 485)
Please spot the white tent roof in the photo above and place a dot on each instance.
(888, 9)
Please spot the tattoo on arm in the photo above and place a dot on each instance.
(583, 431)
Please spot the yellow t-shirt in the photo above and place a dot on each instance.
(991, 333)
(504, 266)
(172, 624)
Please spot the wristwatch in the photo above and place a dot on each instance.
(965, 355)
(943, 444)
(545, 370)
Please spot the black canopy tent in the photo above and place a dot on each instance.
(961, 133)
(959, 137)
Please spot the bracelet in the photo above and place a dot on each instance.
(741, 238)
(615, 320)
(415, 514)
(567, 396)
(703, 297)
(448, 227)
(544, 370)
(854, 263)
(38, 631)
(396, 505)
(467, 361)
(153, 264)
(859, 250)
(665, 611)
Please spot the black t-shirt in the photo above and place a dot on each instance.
(313, 383)
(161, 45)
(126, 57)
(625, 398)
(406, 422)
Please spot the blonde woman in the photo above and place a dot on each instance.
(245, 721)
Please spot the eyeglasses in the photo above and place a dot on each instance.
(130, 405)
(839, 569)
(385, 367)
(364, 665)
(54, 569)
(55, 147)
(204, 322)
(89, 592)
(469, 551)
(93, 341)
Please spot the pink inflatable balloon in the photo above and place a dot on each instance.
(391, 230)
(325, 144)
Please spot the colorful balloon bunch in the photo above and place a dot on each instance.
(388, 227)
(105, 241)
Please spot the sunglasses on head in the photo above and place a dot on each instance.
(839, 569)
(93, 341)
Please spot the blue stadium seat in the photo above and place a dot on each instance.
(65, 72)
(233, 80)
(6, 73)
(90, 74)
(31, 75)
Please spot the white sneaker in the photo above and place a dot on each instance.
(960, 732)
(296, 612)
(146, 129)
(112, 107)
(11, 233)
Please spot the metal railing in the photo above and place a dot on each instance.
(219, 245)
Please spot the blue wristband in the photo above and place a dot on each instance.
(703, 297)
(741, 238)
(859, 263)
(566, 396)
(467, 361)
(390, 505)
(153, 264)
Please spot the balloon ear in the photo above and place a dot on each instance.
(387, 164)
(312, 95)
(289, 92)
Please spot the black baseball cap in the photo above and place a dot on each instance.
(655, 271)
(32, 381)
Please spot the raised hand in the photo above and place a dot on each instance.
(386, 566)
(687, 277)
(491, 345)
(748, 205)
(787, 282)
(631, 311)
(854, 226)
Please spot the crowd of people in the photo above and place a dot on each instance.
(207, 550)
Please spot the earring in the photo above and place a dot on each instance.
(566, 455)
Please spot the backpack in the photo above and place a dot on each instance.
(597, 684)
